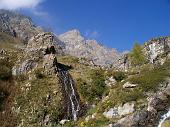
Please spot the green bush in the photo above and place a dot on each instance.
(5, 73)
(39, 74)
(132, 95)
(92, 91)
(5, 69)
(119, 76)
(3, 95)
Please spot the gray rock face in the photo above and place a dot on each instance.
(46, 42)
(111, 113)
(17, 25)
(24, 67)
(156, 49)
(48, 63)
(42, 46)
(78, 46)
(110, 81)
(123, 62)
(134, 120)
(126, 109)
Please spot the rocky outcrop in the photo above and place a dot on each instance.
(135, 120)
(110, 81)
(24, 67)
(129, 85)
(126, 109)
(47, 43)
(41, 48)
(123, 62)
(157, 105)
(158, 50)
(112, 112)
(78, 46)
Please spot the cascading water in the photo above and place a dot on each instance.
(163, 118)
(70, 93)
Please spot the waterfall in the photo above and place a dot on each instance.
(163, 118)
(70, 93)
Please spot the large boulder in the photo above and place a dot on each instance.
(129, 85)
(110, 81)
(110, 113)
(126, 109)
(135, 120)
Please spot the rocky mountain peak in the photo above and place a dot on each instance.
(72, 36)
(77, 45)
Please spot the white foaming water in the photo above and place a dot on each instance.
(163, 118)
(75, 108)
(70, 91)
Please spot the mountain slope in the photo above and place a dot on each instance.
(17, 25)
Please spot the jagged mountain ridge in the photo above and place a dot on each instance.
(18, 25)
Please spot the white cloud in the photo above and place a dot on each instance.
(92, 34)
(19, 4)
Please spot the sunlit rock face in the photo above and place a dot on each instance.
(46, 42)
(157, 49)
(40, 48)
(77, 45)
(17, 25)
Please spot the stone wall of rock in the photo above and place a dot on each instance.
(157, 50)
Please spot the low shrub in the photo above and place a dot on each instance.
(39, 74)
(119, 76)
(5, 69)
(93, 90)
(5, 73)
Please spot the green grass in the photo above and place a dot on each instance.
(150, 79)
(166, 123)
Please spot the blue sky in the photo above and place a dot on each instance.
(114, 23)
